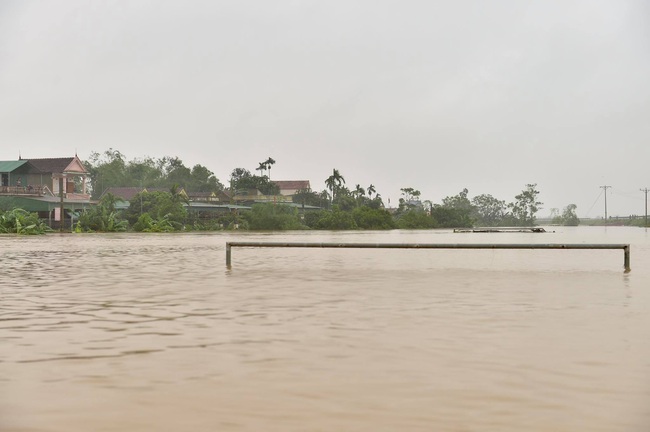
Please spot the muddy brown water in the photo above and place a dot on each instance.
(131, 332)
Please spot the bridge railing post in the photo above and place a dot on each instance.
(625, 247)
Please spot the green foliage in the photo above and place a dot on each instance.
(416, 219)
(455, 212)
(159, 205)
(336, 220)
(410, 194)
(488, 210)
(409, 201)
(450, 217)
(111, 169)
(526, 206)
(334, 183)
(373, 219)
(102, 218)
(146, 223)
(311, 218)
(307, 197)
(459, 202)
(345, 200)
(19, 221)
(242, 181)
(274, 217)
(568, 217)
(375, 203)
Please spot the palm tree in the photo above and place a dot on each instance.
(261, 168)
(334, 182)
(269, 162)
(323, 196)
(371, 190)
(359, 192)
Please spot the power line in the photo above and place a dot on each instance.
(605, 187)
(592, 206)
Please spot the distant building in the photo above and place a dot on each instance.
(42, 185)
(291, 187)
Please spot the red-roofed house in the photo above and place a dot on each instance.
(290, 187)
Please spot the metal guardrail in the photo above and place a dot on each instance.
(625, 247)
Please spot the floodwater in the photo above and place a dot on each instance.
(151, 332)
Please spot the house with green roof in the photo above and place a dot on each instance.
(45, 186)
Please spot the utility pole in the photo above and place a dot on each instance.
(61, 209)
(605, 187)
(646, 205)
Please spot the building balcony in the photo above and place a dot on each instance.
(24, 190)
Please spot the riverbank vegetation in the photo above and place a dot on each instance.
(19, 221)
(162, 204)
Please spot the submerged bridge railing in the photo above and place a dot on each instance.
(625, 247)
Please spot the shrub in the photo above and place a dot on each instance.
(274, 217)
(19, 221)
(336, 220)
(376, 219)
(416, 219)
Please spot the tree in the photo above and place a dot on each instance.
(410, 194)
(371, 190)
(410, 200)
(489, 211)
(450, 217)
(568, 217)
(415, 219)
(373, 219)
(324, 198)
(269, 163)
(345, 199)
(459, 202)
(111, 169)
(203, 180)
(176, 173)
(376, 202)
(359, 193)
(274, 217)
(307, 197)
(106, 170)
(159, 206)
(145, 172)
(261, 168)
(242, 181)
(334, 182)
(336, 220)
(526, 206)
(102, 218)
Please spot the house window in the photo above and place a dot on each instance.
(5, 179)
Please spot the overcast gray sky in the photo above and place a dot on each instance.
(434, 95)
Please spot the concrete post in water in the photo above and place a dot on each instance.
(228, 254)
(626, 259)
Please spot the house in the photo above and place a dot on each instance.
(122, 193)
(46, 186)
(218, 196)
(291, 187)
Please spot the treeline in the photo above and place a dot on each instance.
(341, 207)
(112, 169)
(345, 210)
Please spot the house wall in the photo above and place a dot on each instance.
(12, 177)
